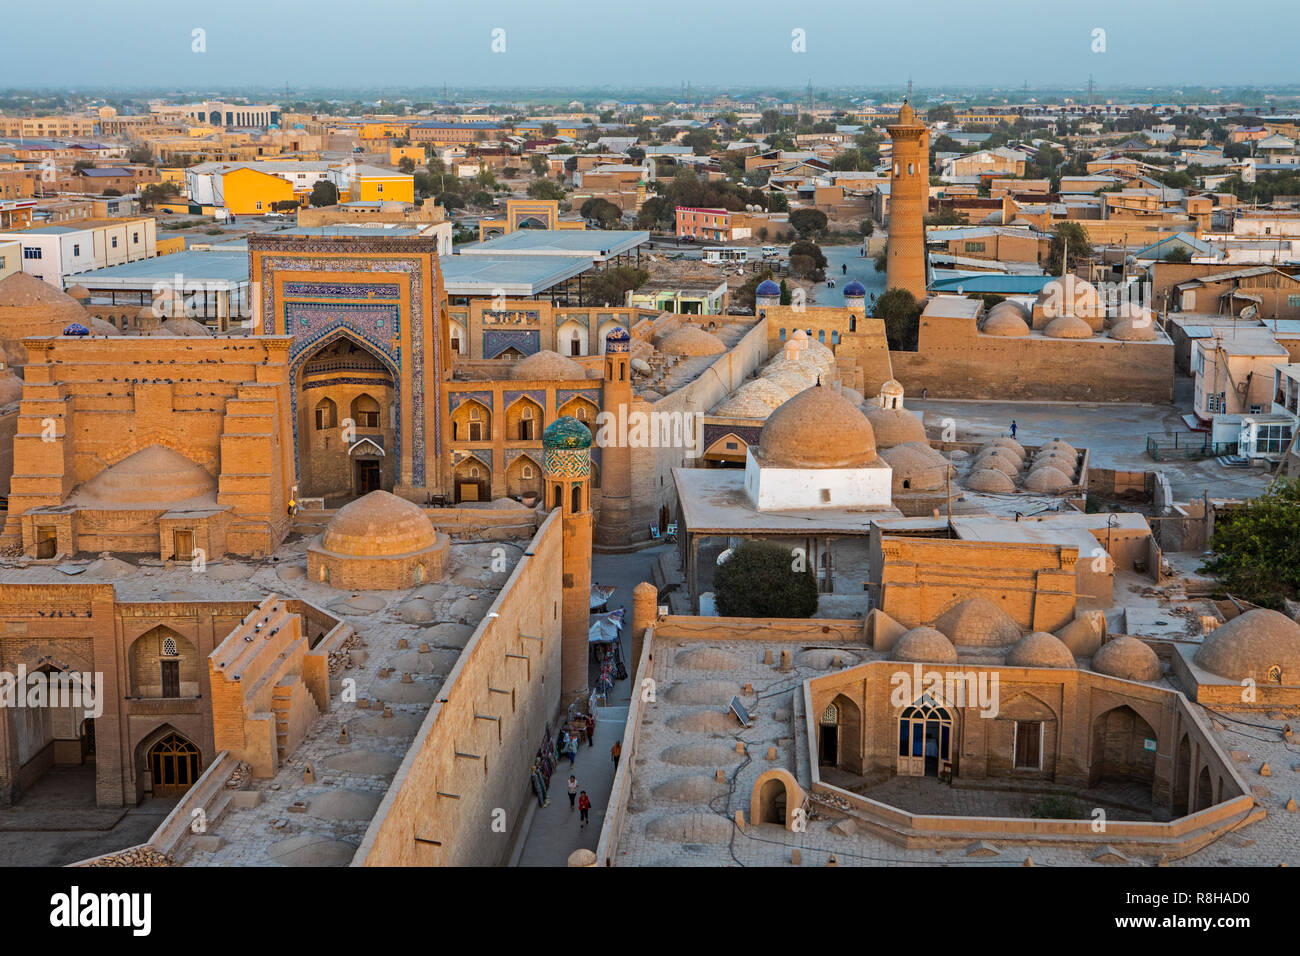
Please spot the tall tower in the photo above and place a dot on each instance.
(909, 191)
(615, 526)
(566, 471)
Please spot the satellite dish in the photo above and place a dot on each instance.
(725, 556)
(1249, 312)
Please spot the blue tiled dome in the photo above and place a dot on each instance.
(855, 288)
(566, 432)
(76, 328)
(767, 287)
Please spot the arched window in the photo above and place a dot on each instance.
(783, 335)
(169, 647)
(326, 414)
(835, 337)
(527, 471)
(577, 498)
(853, 323)
(365, 412)
(831, 715)
(821, 336)
(559, 497)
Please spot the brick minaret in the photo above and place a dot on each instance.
(566, 471)
(909, 193)
(615, 527)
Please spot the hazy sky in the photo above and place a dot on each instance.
(81, 43)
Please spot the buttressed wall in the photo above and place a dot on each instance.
(474, 750)
(184, 407)
(920, 578)
(954, 360)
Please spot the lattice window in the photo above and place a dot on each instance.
(169, 647)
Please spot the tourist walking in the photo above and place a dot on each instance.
(591, 731)
(573, 791)
(571, 750)
(584, 808)
(616, 751)
(1013, 428)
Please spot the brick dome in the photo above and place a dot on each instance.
(924, 645)
(917, 467)
(978, 622)
(1048, 480)
(755, 399)
(998, 459)
(32, 307)
(1072, 296)
(153, 475)
(1127, 658)
(818, 428)
(1252, 644)
(547, 365)
(1040, 649)
(1005, 319)
(691, 341)
(11, 387)
(1068, 327)
(1134, 330)
(895, 426)
(1009, 443)
(991, 482)
(378, 524)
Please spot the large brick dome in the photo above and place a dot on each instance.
(924, 645)
(1127, 658)
(153, 475)
(818, 428)
(378, 524)
(547, 366)
(978, 622)
(1251, 645)
(32, 307)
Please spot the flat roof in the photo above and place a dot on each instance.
(231, 267)
(512, 275)
(596, 244)
(713, 500)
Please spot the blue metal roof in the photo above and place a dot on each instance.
(990, 282)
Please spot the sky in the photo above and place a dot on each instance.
(80, 44)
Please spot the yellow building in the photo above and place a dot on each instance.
(414, 153)
(372, 184)
(249, 192)
(11, 258)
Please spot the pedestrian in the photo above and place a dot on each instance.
(924, 392)
(573, 791)
(591, 731)
(616, 751)
(571, 750)
(584, 808)
(1013, 428)
(845, 268)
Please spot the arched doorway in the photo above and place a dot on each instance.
(88, 740)
(839, 734)
(1182, 778)
(173, 764)
(925, 731)
(473, 480)
(1204, 790)
(346, 394)
(1123, 748)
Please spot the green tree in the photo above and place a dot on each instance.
(324, 193)
(406, 164)
(809, 223)
(545, 189)
(765, 580)
(611, 286)
(1068, 239)
(1257, 547)
(810, 249)
(866, 227)
(901, 314)
(787, 296)
(1177, 254)
(539, 164)
(601, 211)
(549, 130)
(744, 296)
(941, 114)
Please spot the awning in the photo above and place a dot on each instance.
(600, 595)
(605, 628)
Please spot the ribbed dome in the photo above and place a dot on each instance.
(1127, 658)
(1250, 645)
(855, 288)
(376, 525)
(1070, 295)
(991, 482)
(153, 475)
(1133, 330)
(617, 334)
(547, 365)
(818, 428)
(755, 399)
(1006, 323)
(924, 645)
(1068, 327)
(767, 287)
(1048, 480)
(1010, 443)
(1040, 649)
(690, 340)
(917, 467)
(978, 622)
(895, 426)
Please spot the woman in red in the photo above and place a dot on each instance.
(591, 731)
(584, 808)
